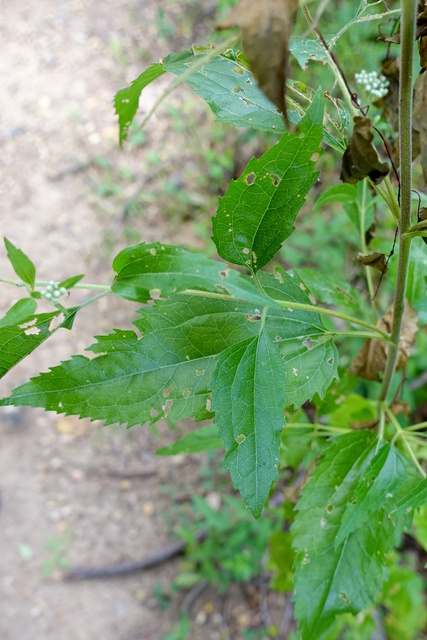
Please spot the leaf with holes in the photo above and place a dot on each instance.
(248, 397)
(20, 311)
(158, 270)
(168, 370)
(259, 209)
(305, 49)
(230, 90)
(19, 340)
(333, 578)
(126, 100)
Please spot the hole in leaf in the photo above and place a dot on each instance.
(208, 405)
(345, 598)
(254, 318)
(237, 90)
(154, 413)
(241, 438)
(167, 407)
(153, 251)
(275, 179)
(223, 274)
(315, 157)
(33, 321)
(248, 81)
(167, 391)
(250, 178)
(245, 251)
(186, 393)
(308, 343)
(330, 361)
(238, 70)
(247, 102)
(330, 508)
(32, 331)
(155, 294)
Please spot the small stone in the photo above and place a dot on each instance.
(148, 508)
(125, 485)
(201, 618)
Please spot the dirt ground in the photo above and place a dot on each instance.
(99, 492)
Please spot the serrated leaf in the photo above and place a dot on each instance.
(71, 282)
(162, 270)
(136, 381)
(248, 397)
(126, 100)
(21, 264)
(415, 498)
(384, 476)
(21, 310)
(305, 49)
(332, 579)
(259, 209)
(202, 439)
(19, 340)
(176, 356)
(230, 90)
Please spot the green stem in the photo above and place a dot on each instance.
(409, 14)
(196, 66)
(318, 427)
(44, 283)
(290, 304)
(401, 434)
(364, 248)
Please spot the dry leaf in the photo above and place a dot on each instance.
(399, 408)
(371, 359)
(375, 260)
(421, 29)
(266, 29)
(361, 159)
(419, 117)
(390, 69)
(422, 47)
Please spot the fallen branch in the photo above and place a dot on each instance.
(127, 568)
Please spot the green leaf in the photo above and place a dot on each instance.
(19, 312)
(202, 439)
(248, 397)
(305, 49)
(404, 597)
(69, 283)
(230, 90)
(281, 559)
(353, 198)
(330, 290)
(147, 270)
(18, 340)
(384, 476)
(21, 264)
(415, 498)
(126, 100)
(259, 209)
(168, 371)
(333, 578)
(310, 356)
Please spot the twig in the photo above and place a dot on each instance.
(192, 596)
(127, 568)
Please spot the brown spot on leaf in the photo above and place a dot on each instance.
(371, 359)
(266, 29)
(361, 159)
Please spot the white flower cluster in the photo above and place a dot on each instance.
(53, 291)
(376, 85)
